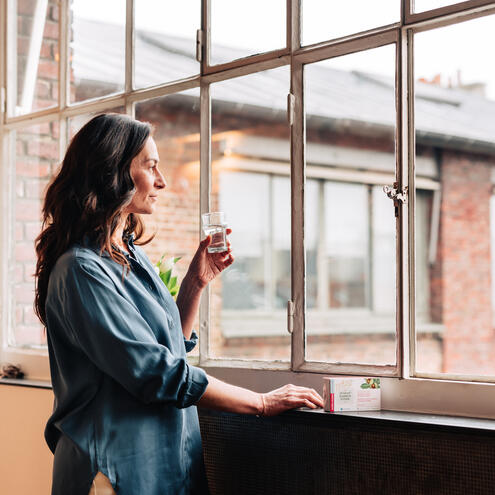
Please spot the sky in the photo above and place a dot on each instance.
(460, 49)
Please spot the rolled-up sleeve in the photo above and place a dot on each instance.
(190, 343)
(113, 334)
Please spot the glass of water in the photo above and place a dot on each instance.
(214, 224)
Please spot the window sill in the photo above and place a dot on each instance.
(16, 382)
(442, 398)
(405, 418)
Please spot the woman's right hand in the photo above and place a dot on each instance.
(289, 397)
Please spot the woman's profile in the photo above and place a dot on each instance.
(125, 417)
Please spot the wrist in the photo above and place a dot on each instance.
(193, 282)
(261, 406)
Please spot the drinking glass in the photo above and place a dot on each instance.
(214, 224)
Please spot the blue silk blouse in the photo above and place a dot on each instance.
(124, 392)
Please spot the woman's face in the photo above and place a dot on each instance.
(147, 178)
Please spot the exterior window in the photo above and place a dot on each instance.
(231, 28)
(352, 243)
(341, 19)
(248, 315)
(453, 253)
(294, 136)
(89, 35)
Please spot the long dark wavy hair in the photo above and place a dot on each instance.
(88, 195)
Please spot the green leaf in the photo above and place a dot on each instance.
(173, 292)
(365, 385)
(172, 282)
(177, 259)
(166, 276)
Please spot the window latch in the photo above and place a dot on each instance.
(290, 316)
(290, 108)
(199, 45)
(394, 193)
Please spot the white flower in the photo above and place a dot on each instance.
(166, 265)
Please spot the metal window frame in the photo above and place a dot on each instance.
(308, 55)
(296, 57)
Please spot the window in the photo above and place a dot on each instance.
(294, 133)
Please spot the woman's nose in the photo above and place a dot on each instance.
(160, 181)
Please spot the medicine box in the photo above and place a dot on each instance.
(346, 393)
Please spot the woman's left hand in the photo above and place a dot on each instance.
(206, 266)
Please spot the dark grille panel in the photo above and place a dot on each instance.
(304, 453)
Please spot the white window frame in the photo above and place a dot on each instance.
(404, 388)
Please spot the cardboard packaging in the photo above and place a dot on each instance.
(351, 393)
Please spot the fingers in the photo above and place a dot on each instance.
(205, 242)
(291, 396)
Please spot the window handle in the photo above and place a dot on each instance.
(290, 316)
(394, 193)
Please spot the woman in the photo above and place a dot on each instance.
(125, 416)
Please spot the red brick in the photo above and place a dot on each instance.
(32, 230)
(54, 93)
(41, 104)
(43, 89)
(43, 149)
(48, 70)
(24, 251)
(28, 132)
(29, 270)
(24, 25)
(48, 50)
(30, 317)
(28, 209)
(24, 293)
(51, 30)
(19, 188)
(19, 231)
(35, 188)
(23, 45)
(32, 169)
(54, 13)
(25, 7)
(18, 273)
(54, 130)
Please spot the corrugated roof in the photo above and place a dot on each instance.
(442, 114)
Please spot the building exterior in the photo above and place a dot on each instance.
(350, 224)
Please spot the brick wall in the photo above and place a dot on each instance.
(462, 278)
(46, 90)
(37, 157)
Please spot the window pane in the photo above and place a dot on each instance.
(176, 221)
(350, 222)
(165, 41)
(454, 116)
(251, 183)
(97, 63)
(346, 244)
(37, 157)
(323, 20)
(75, 123)
(34, 62)
(240, 29)
(422, 5)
